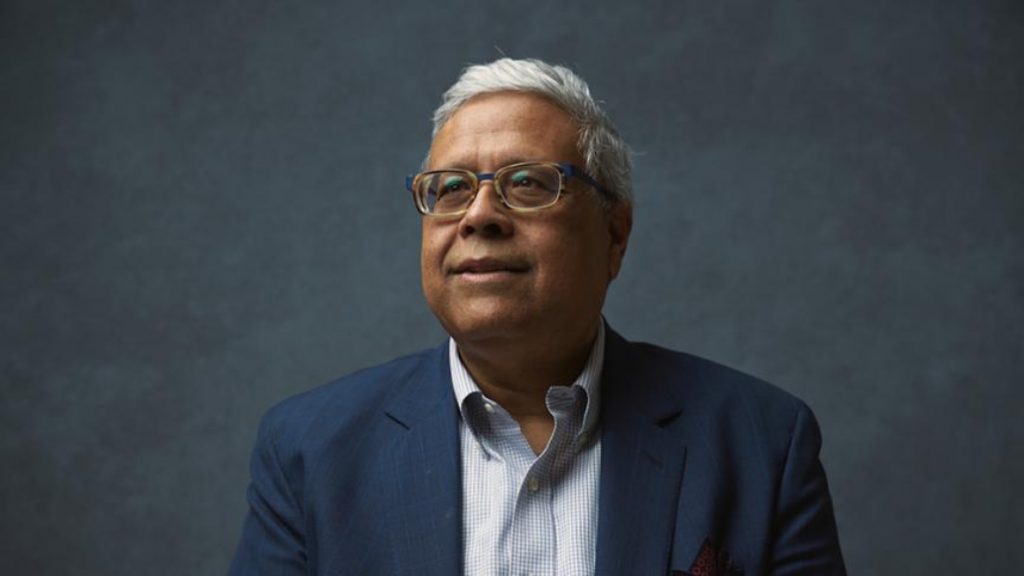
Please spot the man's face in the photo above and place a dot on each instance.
(496, 274)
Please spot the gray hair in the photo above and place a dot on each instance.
(606, 154)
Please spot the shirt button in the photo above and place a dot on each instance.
(533, 484)
(489, 408)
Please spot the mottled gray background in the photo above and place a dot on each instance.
(829, 196)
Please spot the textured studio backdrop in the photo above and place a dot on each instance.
(203, 212)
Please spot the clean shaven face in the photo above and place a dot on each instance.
(493, 273)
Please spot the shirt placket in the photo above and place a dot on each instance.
(533, 539)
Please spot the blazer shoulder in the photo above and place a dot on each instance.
(345, 400)
(717, 389)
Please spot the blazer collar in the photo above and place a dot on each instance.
(427, 528)
(643, 454)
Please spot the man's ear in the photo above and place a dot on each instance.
(620, 224)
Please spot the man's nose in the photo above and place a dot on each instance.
(486, 214)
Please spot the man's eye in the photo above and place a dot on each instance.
(523, 180)
(455, 185)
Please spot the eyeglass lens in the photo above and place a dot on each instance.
(533, 186)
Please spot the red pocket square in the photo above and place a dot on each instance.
(711, 561)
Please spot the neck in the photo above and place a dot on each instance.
(518, 377)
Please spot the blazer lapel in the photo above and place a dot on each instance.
(427, 521)
(643, 453)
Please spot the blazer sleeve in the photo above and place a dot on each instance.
(272, 539)
(805, 541)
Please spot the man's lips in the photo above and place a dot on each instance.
(480, 266)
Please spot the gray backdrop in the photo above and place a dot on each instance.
(203, 212)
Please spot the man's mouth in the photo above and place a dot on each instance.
(483, 267)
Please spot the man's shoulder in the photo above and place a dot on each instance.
(350, 398)
(716, 389)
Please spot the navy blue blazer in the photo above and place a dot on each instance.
(362, 476)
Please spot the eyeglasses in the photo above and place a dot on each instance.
(522, 187)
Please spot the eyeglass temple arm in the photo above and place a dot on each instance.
(572, 171)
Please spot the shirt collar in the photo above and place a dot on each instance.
(589, 380)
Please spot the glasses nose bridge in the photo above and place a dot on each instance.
(481, 179)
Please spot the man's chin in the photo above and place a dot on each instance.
(483, 326)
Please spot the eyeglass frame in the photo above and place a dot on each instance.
(565, 172)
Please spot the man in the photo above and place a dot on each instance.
(537, 440)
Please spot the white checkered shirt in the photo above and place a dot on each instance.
(525, 514)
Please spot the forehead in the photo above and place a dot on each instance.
(493, 130)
